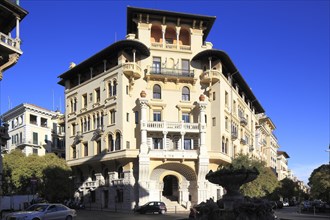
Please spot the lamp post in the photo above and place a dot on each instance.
(329, 153)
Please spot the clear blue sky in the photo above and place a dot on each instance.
(280, 47)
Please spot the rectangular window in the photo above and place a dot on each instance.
(136, 117)
(156, 65)
(33, 119)
(43, 122)
(127, 117)
(185, 66)
(187, 144)
(84, 100)
(157, 143)
(98, 147)
(157, 116)
(186, 117)
(213, 121)
(226, 123)
(127, 144)
(73, 129)
(85, 149)
(213, 96)
(97, 95)
(126, 90)
(120, 196)
(226, 98)
(113, 116)
(35, 138)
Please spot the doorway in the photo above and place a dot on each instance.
(171, 187)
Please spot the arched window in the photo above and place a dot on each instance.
(157, 93)
(185, 94)
(110, 143)
(118, 141)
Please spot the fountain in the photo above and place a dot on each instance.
(233, 205)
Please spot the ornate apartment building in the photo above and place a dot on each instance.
(35, 130)
(150, 115)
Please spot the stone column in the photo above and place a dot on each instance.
(144, 160)
(164, 140)
(203, 158)
(163, 35)
(177, 37)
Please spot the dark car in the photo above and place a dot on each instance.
(152, 207)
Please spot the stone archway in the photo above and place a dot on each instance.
(171, 187)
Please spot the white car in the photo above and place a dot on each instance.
(285, 204)
(44, 211)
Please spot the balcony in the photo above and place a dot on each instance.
(157, 45)
(234, 135)
(210, 76)
(174, 154)
(173, 75)
(9, 44)
(243, 141)
(243, 121)
(171, 126)
(132, 70)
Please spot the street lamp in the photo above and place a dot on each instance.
(329, 153)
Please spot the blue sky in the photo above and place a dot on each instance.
(280, 47)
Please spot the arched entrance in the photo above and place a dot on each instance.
(171, 187)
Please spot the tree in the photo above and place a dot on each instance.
(46, 175)
(319, 181)
(265, 183)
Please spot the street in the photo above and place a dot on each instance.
(286, 213)
(106, 215)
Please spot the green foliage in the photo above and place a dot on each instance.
(50, 172)
(319, 181)
(288, 189)
(265, 183)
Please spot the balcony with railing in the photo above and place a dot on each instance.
(243, 121)
(171, 74)
(234, 135)
(132, 70)
(9, 44)
(169, 46)
(171, 126)
(210, 76)
(174, 154)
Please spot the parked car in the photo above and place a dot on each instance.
(43, 211)
(152, 207)
(285, 203)
(305, 205)
(318, 205)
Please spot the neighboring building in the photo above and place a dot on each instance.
(35, 130)
(267, 142)
(282, 165)
(149, 116)
(11, 14)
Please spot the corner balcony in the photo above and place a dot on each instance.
(171, 126)
(9, 44)
(173, 75)
(210, 76)
(173, 154)
(132, 70)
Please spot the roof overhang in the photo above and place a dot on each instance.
(233, 71)
(9, 12)
(109, 52)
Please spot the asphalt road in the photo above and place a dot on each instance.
(286, 213)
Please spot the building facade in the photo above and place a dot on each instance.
(150, 115)
(35, 130)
